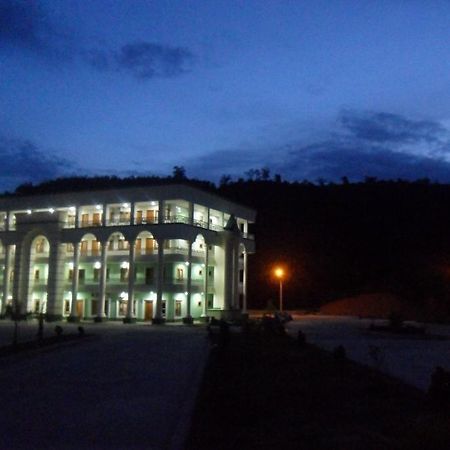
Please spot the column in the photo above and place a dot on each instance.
(76, 264)
(21, 277)
(131, 263)
(77, 216)
(244, 285)
(132, 211)
(101, 301)
(104, 206)
(55, 287)
(205, 283)
(236, 276)
(159, 289)
(188, 318)
(6, 276)
(191, 213)
(161, 212)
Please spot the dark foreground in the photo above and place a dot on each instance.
(269, 392)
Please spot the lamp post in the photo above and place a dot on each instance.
(279, 273)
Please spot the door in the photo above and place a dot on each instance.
(138, 217)
(80, 308)
(96, 219)
(148, 314)
(148, 246)
(150, 216)
(94, 307)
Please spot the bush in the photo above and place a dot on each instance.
(339, 353)
(439, 390)
(301, 338)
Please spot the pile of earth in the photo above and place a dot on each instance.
(376, 305)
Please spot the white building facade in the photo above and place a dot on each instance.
(170, 252)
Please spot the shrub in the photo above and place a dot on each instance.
(339, 353)
(439, 390)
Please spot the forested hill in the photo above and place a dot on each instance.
(345, 239)
(336, 240)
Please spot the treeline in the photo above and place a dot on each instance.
(340, 240)
(335, 239)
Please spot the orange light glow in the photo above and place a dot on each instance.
(279, 272)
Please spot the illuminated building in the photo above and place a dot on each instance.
(142, 253)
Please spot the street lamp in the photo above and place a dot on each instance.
(279, 273)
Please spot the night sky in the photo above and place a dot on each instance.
(310, 89)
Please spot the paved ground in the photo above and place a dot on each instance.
(411, 359)
(127, 387)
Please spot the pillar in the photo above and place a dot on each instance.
(101, 301)
(205, 283)
(130, 318)
(55, 286)
(244, 285)
(160, 281)
(21, 277)
(76, 264)
(6, 276)
(188, 318)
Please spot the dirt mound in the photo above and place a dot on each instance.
(379, 305)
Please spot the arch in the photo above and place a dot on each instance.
(90, 245)
(199, 245)
(117, 243)
(145, 243)
(38, 274)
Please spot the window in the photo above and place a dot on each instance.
(149, 275)
(123, 274)
(178, 308)
(84, 248)
(180, 273)
(81, 274)
(96, 274)
(37, 304)
(66, 306)
(70, 275)
(95, 248)
(163, 307)
(36, 274)
(40, 246)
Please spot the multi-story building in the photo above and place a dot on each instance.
(148, 253)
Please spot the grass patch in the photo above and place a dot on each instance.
(265, 392)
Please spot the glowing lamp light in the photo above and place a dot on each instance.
(28, 211)
(98, 207)
(279, 272)
(97, 265)
(125, 265)
(51, 210)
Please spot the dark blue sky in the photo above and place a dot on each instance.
(310, 89)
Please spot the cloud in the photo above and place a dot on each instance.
(21, 23)
(143, 60)
(332, 160)
(22, 161)
(374, 144)
(381, 127)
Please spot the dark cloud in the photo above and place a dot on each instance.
(23, 23)
(22, 161)
(332, 160)
(384, 127)
(143, 60)
(381, 145)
